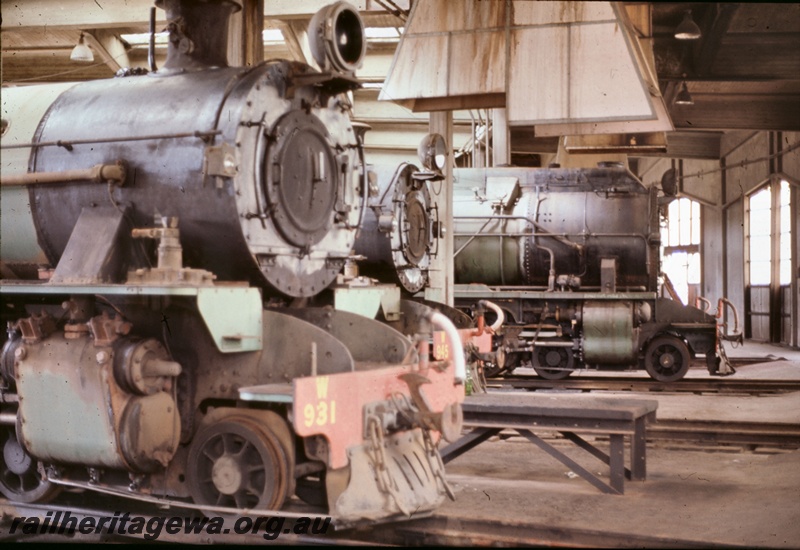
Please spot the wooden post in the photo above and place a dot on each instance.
(245, 41)
(441, 276)
(501, 142)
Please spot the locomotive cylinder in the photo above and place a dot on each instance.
(82, 415)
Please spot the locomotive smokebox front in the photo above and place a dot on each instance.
(260, 165)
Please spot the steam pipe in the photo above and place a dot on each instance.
(68, 145)
(360, 131)
(702, 304)
(551, 276)
(501, 317)
(736, 334)
(454, 340)
(100, 173)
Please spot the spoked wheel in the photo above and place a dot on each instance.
(666, 359)
(553, 363)
(238, 463)
(20, 480)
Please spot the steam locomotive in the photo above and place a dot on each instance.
(179, 327)
(571, 256)
(400, 236)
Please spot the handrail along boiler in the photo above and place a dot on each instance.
(167, 239)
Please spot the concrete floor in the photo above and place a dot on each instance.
(732, 497)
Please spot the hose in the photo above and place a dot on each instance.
(501, 317)
(454, 341)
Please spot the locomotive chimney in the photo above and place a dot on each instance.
(198, 33)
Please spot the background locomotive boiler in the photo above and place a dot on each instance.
(572, 257)
(169, 378)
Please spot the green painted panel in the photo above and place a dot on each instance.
(233, 316)
(65, 413)
(365, 301)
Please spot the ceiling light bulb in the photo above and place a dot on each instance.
(688, 29)
(81, 52)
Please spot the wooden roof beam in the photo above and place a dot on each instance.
(706, 51)
(108, 46)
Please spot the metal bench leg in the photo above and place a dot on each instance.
(577, 468)
(591, 449)
(617, 462)
(467, 442)
(639, 451)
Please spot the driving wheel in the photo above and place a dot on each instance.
(553, 363)
(666, 359)
(236, 462)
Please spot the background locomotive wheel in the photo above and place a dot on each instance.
(666, 359)
(236, 462)
(553, 363)
(20, 480)
(506, 364)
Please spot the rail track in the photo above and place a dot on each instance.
(751, 435)
(727, 386)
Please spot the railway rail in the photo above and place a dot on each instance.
(775, 435)
(732, 386)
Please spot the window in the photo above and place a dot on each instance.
(680, 241)
(785, 258)
(760, 231)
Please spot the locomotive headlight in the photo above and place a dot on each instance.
(336, 38)
(432, 152)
